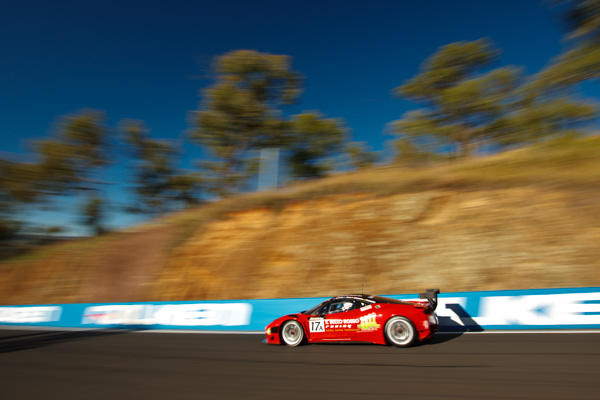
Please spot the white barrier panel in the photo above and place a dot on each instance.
(188, 315)
(30, 315)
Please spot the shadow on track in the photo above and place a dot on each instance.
(450, 329)
(41, 339)
(439, 338)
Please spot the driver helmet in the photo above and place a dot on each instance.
(347, 306)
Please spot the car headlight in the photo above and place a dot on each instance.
(268, 331)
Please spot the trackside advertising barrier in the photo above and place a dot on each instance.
(573, 308)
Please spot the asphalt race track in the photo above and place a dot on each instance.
(145, 365)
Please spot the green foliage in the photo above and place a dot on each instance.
(185, 188)
(79, 148)
(72, 159)
(581, 60)
(54, 230)
(159, 185)
(18, 182)
(543, 117)
(450, 65)
(87, 138)
(462, 101)
(583, 19)
(66, 162)
(312, 138)
(59, 174)
(360, 156)
(266, 78)
(409, 153)
(575, 65)
(467, 107)
(419, 136)
(93, 213)
(18, 187)
(242, 113)
(8, 228)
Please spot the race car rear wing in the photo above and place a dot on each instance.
(431, 296)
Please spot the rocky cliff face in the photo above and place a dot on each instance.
(457, 241)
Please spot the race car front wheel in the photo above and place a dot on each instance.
(292, 333)
(400, 332)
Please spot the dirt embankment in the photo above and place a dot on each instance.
(456, 240)
(119, 268)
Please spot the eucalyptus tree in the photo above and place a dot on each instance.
(461, 99)
(72, 160)
(466, 104)
(581, 59)
(244, 110)
(241, 112)
(313, 138)
(360, 155)
(159, 185)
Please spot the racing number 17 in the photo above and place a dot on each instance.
(317, 326)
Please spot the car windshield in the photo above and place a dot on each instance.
(313, 310)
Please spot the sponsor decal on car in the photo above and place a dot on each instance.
(342, 324)
(342, 321)
(368, 322)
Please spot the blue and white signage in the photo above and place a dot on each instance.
(574, 308)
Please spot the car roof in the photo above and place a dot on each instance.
(362, 297)
(370, 299)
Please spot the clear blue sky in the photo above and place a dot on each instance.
(149, 59)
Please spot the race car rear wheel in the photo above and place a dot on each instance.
(292, 333)
(400, 332)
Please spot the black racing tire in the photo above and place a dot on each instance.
(400, 332)
(292, 333)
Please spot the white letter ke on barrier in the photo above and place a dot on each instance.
(551, 309)
(443, 311)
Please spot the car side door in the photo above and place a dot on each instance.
(342, 325)
(340, 320)
(369, 322)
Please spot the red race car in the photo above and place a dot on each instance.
(360, 318)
